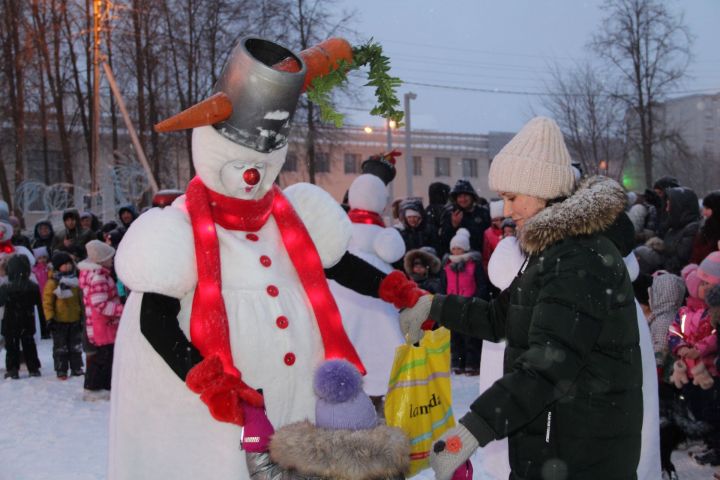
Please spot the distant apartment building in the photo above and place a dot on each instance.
(696, 118)
(437, 157)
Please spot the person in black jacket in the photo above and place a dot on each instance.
(438, 195)
(570, 399)
(21, 298)
(43, 235)
(465, 211)
(416, 231)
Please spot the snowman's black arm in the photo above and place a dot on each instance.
(356, 274)
(159, 324)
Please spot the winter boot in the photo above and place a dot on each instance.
(78, 372)
(34, 373)
(12, 374)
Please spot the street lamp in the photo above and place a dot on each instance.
(368, 129)
(409, 164)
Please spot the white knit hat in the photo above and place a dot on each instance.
(535, 162)
(99, 252)
(461, 239)
(496, 209)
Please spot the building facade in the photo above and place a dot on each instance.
(437, 157)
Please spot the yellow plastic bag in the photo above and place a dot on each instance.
(419, 398)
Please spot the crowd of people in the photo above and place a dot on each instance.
(70, 289)
(64, 282)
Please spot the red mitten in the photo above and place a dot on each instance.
(224, 394)
(399, 290)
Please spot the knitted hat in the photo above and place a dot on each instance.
(461, 239)
(59, 259)
(535, 162)
(496, 209)
(342, 404)
(709, 269)
(40, 252)
(99, 252)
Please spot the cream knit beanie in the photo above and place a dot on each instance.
(535, 162)
(99, 252)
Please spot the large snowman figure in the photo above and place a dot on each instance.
(371, 323)
(229, 293)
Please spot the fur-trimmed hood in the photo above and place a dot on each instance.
(592, 208)
(428, 258)
(382, 452)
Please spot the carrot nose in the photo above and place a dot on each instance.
(211, 110)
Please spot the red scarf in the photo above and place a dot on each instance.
(208, 320)
(7, 247)
(365, 216)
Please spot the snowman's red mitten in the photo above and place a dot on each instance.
(224, 394)
(399, 290)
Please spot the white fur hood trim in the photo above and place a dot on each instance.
(88, 265)
(326, 222)
(157, 254)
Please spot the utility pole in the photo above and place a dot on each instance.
(408, 144)
(95, 150)
(389, 125)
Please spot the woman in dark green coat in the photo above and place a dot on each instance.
(570, 400)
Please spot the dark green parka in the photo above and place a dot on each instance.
(570, 400)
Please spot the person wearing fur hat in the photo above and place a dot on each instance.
(416, 231)
(464, 211)
(346, 442)
(20, 297)
(570, 399)
(103, 309)
(463, 275)
(62, 305)
(423, 267)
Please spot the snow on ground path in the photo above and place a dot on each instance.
(48, 432)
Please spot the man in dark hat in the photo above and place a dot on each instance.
(464, 211)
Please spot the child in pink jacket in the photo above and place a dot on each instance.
(40, 270)
(103, 309)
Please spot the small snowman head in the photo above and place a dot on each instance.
(368, 192)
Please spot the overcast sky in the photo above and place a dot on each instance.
(503, 45)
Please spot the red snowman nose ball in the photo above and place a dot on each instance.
(251, 176)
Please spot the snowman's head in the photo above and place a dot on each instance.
(231, 169)
(368, 192)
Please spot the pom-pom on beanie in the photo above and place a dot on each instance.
(342, 404)
(535, 162)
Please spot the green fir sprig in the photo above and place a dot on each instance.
(370, 54)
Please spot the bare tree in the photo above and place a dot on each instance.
(591, 117)
(308, 23)
(650, 48)
(16, 53)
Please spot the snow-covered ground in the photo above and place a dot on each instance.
(48, 432)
